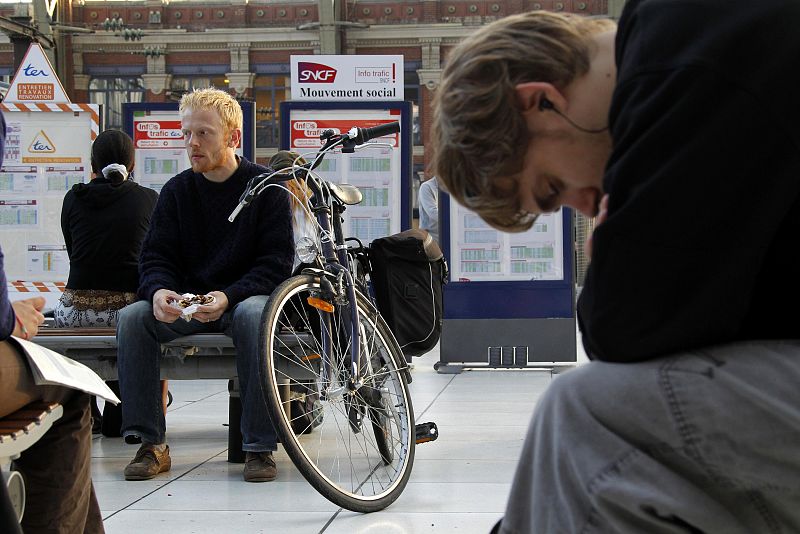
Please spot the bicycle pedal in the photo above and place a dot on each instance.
(426, 432)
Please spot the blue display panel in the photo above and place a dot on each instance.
(510, 302)
(515, 276)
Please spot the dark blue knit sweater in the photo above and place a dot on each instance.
(192, 248)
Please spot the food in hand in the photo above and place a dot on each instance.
(187, 301)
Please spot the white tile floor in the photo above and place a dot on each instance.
(459, 482)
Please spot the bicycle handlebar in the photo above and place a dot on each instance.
(250, 192)
(362, 135)
(355, 137)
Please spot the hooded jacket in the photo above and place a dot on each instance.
(104, 226)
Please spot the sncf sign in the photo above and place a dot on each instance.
(321, 77)
(309, 72)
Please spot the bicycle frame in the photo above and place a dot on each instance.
(328, 210)
(332, 254)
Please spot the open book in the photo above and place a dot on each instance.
(53, 369)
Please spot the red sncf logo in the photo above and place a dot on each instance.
(315, 72)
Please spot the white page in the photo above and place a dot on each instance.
(51, 368)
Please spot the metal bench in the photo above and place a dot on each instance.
(199, 356)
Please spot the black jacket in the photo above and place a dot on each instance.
(701, 243)
(104, 226)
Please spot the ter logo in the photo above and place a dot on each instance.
(30, 70)
(315, 72)
(42, 144)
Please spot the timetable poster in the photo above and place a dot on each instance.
(374, 168)
(47, 152)
(160, 147)
(19, 214)
(481, 253)
(11, 148)
(58, 179)
(19, 179)
(48, 261)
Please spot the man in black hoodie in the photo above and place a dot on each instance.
(679, 133)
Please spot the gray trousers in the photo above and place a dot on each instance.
(701, 442)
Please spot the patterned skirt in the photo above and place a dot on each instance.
(90, 307)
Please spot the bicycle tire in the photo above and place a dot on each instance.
(340, 457)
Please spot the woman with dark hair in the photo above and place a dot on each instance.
(104, 223)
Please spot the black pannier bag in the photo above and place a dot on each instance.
(408, 271)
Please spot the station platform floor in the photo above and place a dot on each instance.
(459, 483)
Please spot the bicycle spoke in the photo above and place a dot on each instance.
(359, 454)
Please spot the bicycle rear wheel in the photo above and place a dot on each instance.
(357, 449)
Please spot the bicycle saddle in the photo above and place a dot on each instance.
(346, 193)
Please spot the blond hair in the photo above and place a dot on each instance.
(479, 133)
(284, 159)
(217, 100)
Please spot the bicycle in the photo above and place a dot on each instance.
(324, 338)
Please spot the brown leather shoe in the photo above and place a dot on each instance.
(147, 463)
(259, 467)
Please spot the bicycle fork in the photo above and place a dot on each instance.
(361, 397)
(338, 300)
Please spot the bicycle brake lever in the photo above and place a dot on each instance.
(247, 197)
(236, 211)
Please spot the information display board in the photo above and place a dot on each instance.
(511, 297)
(381, 171)
(160, 147)
(485, 254)
(47, 151)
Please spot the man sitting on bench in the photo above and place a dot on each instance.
(192, 248)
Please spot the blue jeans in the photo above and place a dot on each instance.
(139, 337)
(703, 441)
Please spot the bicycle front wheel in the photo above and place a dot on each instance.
(356, 447)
